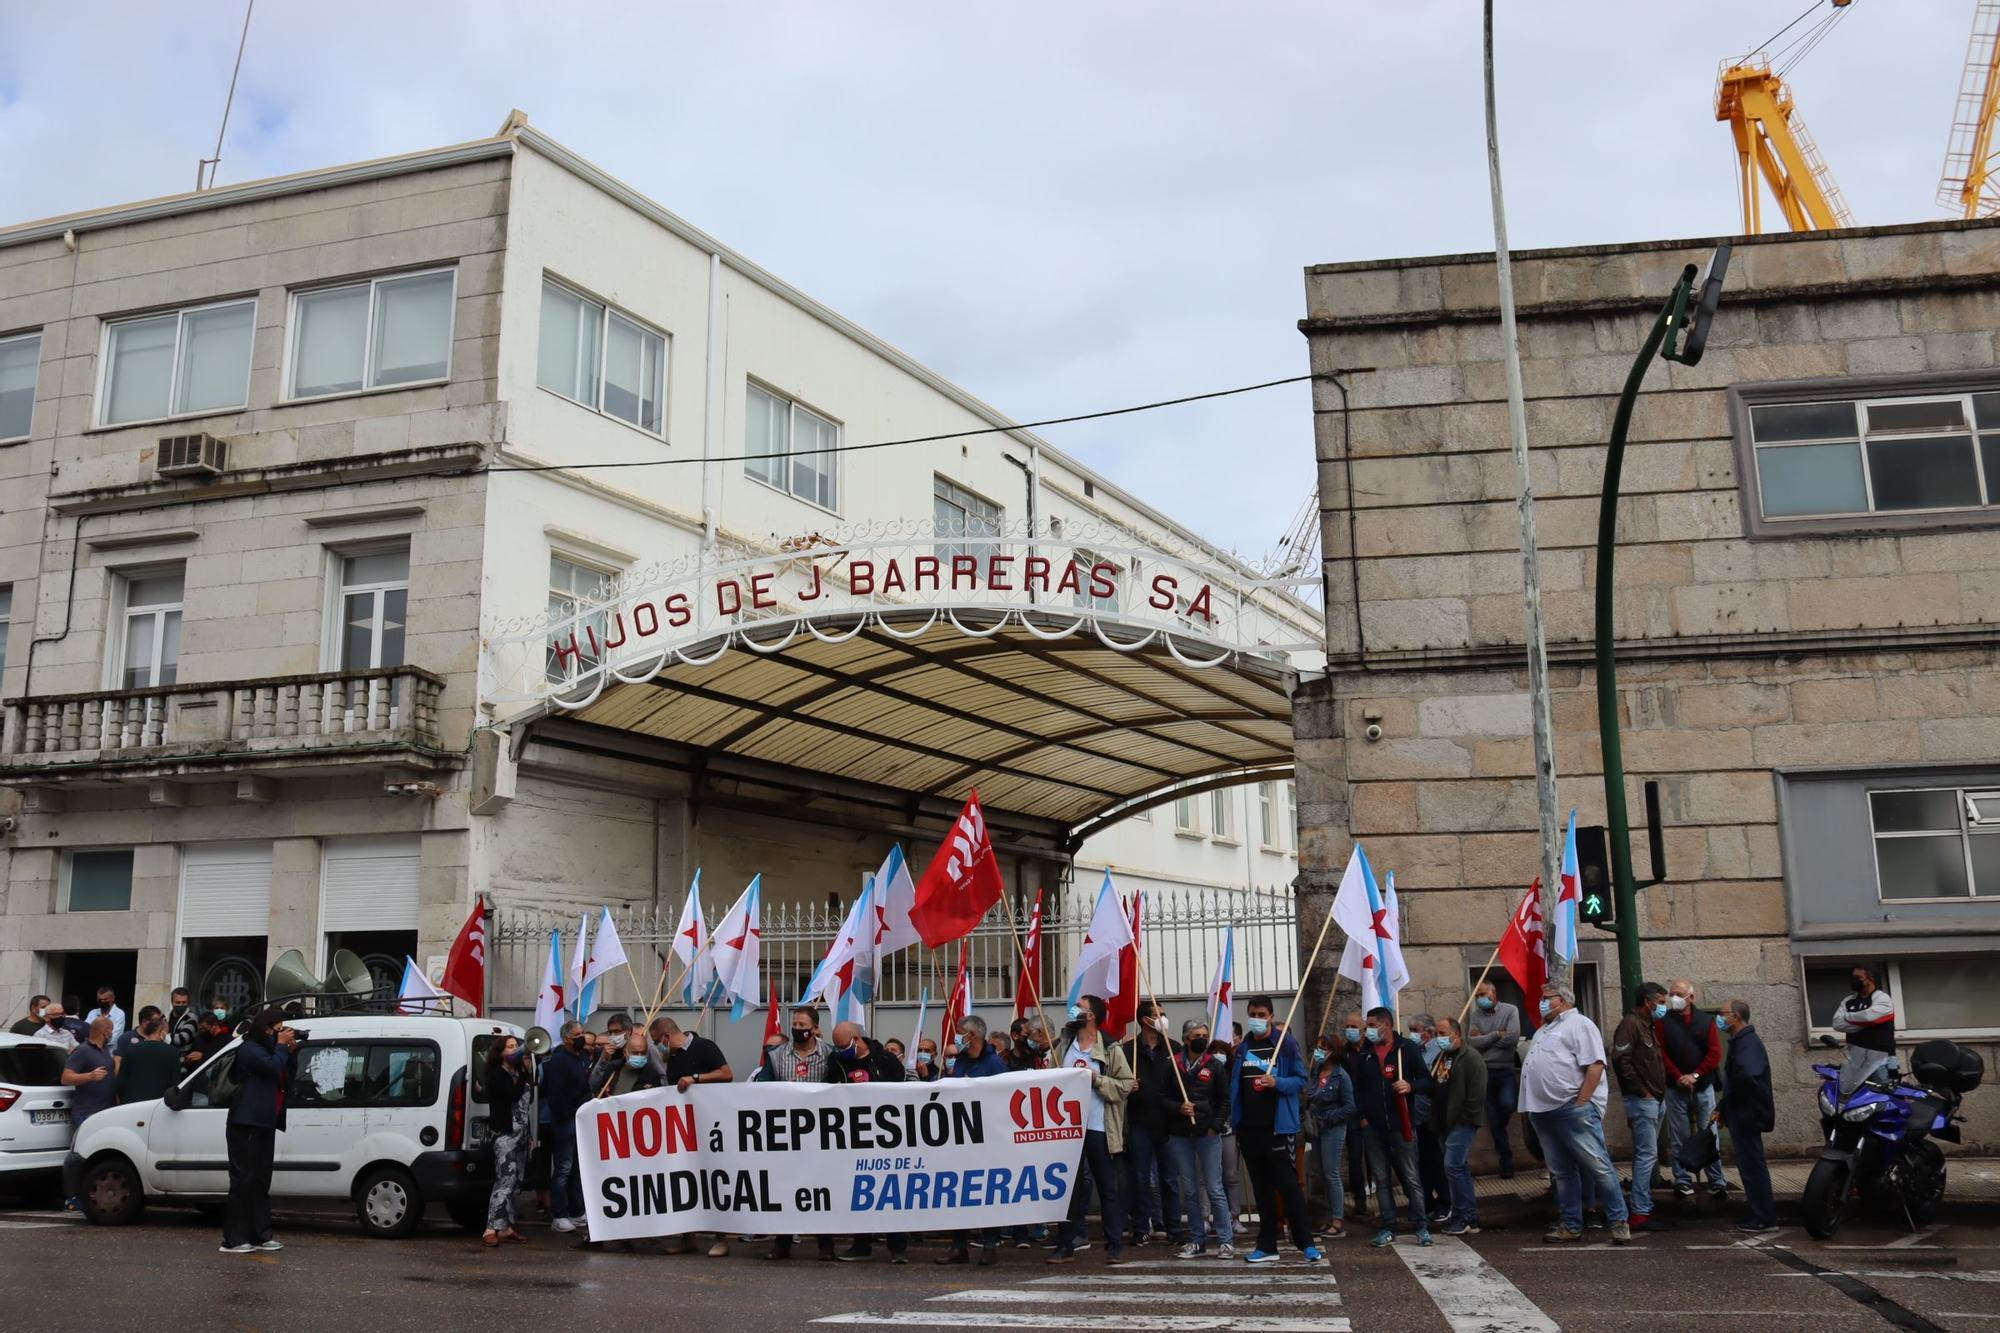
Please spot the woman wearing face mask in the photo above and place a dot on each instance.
(509, 1076)
(1198, 1146)
(1330, 1103)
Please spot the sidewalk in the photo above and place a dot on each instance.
(1973, 1180)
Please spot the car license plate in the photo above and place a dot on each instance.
(48, 1117)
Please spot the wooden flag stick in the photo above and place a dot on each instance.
(1020, 952)
(1161, 1013)
(1304, 976)
(1481, 982)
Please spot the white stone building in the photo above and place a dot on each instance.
(296, 476)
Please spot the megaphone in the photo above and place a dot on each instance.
(539, 1041)
(290, 976)
(350, 974)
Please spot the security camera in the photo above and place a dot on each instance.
(1373, 732)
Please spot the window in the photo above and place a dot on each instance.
(1186, 818)
(779, 435)
(100, 881)
(177, 364)
(1221, 812)
(600, 358)
(1292, 807)
(378, 334)
(1934, 843)
(374, 605)
(216, 1086)
(1935, 997)
(6, 621)
(960, 513)
(20, 359)
(151, 651)
(1085, 562)
(1267, 815)
(1847, 459)
(1583, 980)
(571, 585)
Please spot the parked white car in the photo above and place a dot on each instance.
(34, 1108)
(386, 1110)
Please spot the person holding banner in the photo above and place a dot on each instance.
(1264, 1104)
(565, 1087)
(805, 1061)
(927, 1070)
(1112, 1083)
(973, 1058)
(1195, 1143)
(690, 1059)
(628, 1065)
(1156, 1205)
(1389, 1073)
(856, 1059)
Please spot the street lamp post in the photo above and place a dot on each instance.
(1701, 290)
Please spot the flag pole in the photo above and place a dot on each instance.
(1020, 952)
(1482, 977)
(1161, 1013)
(1304, 976)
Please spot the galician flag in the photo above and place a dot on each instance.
(417, 995)
(1571, 896)
(1097, 960)
(844, 978)
(549, 1004)
(692, 949)
(607, 952)
(1222, 987)
(739, 952)
(582, 998)
(923, 1012)
(895, 899)
(1372, 959)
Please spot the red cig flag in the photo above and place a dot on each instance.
(961, 882)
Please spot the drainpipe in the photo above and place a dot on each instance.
(1031, 471)
(711, 406)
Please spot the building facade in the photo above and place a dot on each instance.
(309, 485)
(1808, 617)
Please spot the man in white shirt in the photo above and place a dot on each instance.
(1563, 1092)
(107, 1007)
(54, 1029)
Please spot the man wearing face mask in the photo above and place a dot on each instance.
(1356, 1176)
(1642, 1079)
(1494, 1030)
(182, 1020)
(972, 1058)
(1389, 1074)
(1270, 1075)
(1195, 1143)
(1156, 1209)
(1112, 1083)
(1430, 1138)
(1031, 1046)
(27, 1027)
(1563, 1092)
(926, 1069)
(1691, 1050)
(565, 1076)
(805, 1059)
(1868, 1018)
(1460, 1104)
(856, 1059)
(691, 1059)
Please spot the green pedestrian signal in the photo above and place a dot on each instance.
(1593, 862)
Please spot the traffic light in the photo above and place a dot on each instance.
(1593, 862)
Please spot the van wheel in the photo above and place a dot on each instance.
(388, 1204)
(111, 1193)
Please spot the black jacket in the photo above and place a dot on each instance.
(1746, 1084)
(505, 1085)
(1373, 1096)
(1158, 1098)
(878, 1066)
(565, 1087)
(1207, 1078)
(264, 1069)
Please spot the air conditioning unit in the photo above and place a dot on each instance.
(197, 455)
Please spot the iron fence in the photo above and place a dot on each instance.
(1182, 936)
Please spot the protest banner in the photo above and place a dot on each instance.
(814, 1159)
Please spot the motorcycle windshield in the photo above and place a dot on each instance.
(1860, 1066)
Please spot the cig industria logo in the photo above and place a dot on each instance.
(1042, 1115)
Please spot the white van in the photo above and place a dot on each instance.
(387, 1110)
(34, 1110)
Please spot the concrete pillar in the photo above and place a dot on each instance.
(294, 921)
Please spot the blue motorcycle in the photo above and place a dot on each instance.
(1881, 1138)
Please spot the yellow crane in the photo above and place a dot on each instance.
(1968, 159)
(1773, 146)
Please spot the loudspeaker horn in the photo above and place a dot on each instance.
(290, 976)
(539, 1041)
(349, 973)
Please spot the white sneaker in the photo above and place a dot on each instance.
(1225, 1251)
(272, 1244)
(235, 1249)
(562, 1224)
(1188, 1251)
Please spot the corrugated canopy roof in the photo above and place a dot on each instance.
(1063, 730)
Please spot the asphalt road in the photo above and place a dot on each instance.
(57, 1272)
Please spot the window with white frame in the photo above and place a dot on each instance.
(177, 364)
(381, 333)
(1267, 816)
(1857, 457)
(1938, 842)
(150, 646)
(601, 358)
(1187, 818)
(572, 585)
(1085, 562)
(373, 608)
(788, 447)
(1292, 809)
(1935, 996)
(20, 360)
(1222, 814)
(957, 512)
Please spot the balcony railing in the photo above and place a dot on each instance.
(248, 719)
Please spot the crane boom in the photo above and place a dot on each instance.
(1774, 147)
(1968, 158)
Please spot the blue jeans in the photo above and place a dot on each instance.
(1754, 1173)
(1096, 1165)
(1643, 1115)
(1502, 1088)
(1573, 1146)
(565, 1181)
(1197, 1167)
(1332, 1156)
(1157, 1203)
(1458, 1174)
(1676, 1113)
(1388, 1152)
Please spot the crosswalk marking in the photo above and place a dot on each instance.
(6, 1225)
(1249, 1277)
(1250, 1300)
(1469, 1292)
(1110, 1323)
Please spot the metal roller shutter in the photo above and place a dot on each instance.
(225, 890)
(368, 884)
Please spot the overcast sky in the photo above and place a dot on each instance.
(1062, 206)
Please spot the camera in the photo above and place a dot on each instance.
(298, 1034)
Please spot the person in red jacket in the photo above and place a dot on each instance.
(1691, 1050)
